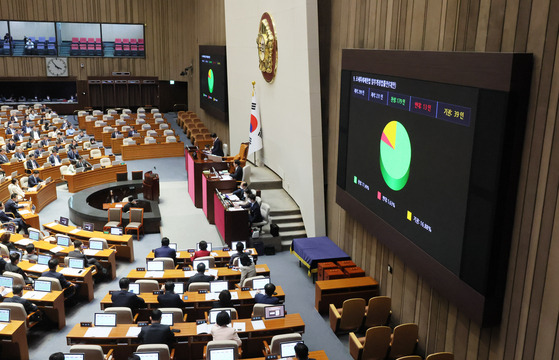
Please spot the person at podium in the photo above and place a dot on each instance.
(238, 173)
(217, 148)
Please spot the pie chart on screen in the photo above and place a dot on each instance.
(395, 155)
(211, 81)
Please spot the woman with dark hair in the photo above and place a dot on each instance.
(247, 267)
(224, 300)
(220, 331)
(5, 240)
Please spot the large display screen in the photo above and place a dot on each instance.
(428, 160)
(213, 80)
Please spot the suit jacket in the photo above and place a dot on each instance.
(4, 159)
(72, 155)
(240, 193)
(16, 269)
(4, 217)
(11, 206)
(53, 274)
(28, 305)
(225, 333)
(114, 134)
(10, 131)
(30, 163)
(132, 133)
(52, 159)
(44, 143)
(156, 334)
(265, 299)
(170, 299)
(33, 181)
(254, 214)
(18, 137)
(199, 278)
(127, 299)
(35, 135)
(10, 147)
(165, 251)
(217, 148)
(20, 156)
(238, 174)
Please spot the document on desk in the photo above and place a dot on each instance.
(212, 296)
(98, 332)
(234, 296)
(232, 252)
(25, 242)
(258, 325)
(253, 293)
(212, 272)
(2, 326)
(56, 249)
(226, 177)
(203, 328)
(75, 231)
(239, 326)
(213, 254)
(24, 212)
(189, 273)
(233, 197)
(154, 274)
(235, 209)
(133, 331)
(51, 224)
(71, 271)
(39, 268)
(6, 291)
(36, 295)
(178, 254)
(90, 252)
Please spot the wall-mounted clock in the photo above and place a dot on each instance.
(267, 44)
(57, 66)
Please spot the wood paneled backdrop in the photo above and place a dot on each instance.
(173, 31)
(531, 307)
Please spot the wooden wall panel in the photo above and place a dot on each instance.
(530, 311)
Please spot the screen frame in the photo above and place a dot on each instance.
(219, 50)
(505, 72)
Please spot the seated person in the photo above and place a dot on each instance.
(200, 276)
(78, 253)
(19, 155)
(81, 162)
(240, 192)
(44, 142)
(217, 148)
(220, 330)
(11, 145)
(5, 240)
(165, 250)
(124, 298)
(11, 206)
(72, 167)
(56, 356)
(70, 131)
(17, 290)
(156, 333)
(132, 132)
(12, 266)
(54, 158)
(29, 144)
(254, 215)
(21, 225)
(115, 134)
(32, 164)
(34, 179)
(3, 157)
(268, 296)
(202, 252)
(302, 352)
(80, 135)
(73, 153)
(52, 273)
(131, 203)
(240, 248)
(169, 298)
(247, 267)
(30, 253)
(238, 173)
(224, 300)
(34, 134)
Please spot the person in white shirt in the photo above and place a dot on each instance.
(72, 167)
(220, 331)
(54, 158)
(14, 188)
(70, 130)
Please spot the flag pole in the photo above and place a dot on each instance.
(253, 89)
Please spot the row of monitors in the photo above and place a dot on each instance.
(89, 226)
(8, 282)
(233, 245)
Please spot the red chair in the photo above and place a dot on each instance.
(98, 50)
(83, 49)
(75, 49)
(141, 41)
(125, 41)
(126, 49)
(83, 40)
(90, 40)
(118, 41)
(134, 49)
(98, 40)
(118, 50)
(133, 41)
(90, 49)
(75, 40)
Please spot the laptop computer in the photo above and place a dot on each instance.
(234, 244)
(63, 221)
(258, 284)
(173, 246)
(34, 235)
(155, 265)
(209, 246)
(167, 319)
(17, 252)
(134, 288)
(41, 285)
(4, 315)
(62, 240)
(95, 245)
(147, 355)
(218, 286)
(43, 259)
(11, 228)
(179, 288)
(221, 354)
(105, 319)
(287, 349)
(75, 263)
(6, 282)
(87, 226)
(212, 315)
(196, 262)
(116, 231)
(274, 312)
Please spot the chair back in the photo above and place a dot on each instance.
(177, 314)
(24, 180)
(91, 352)
(95, 153)
(64, 170)
(137, 215)
(247, 172)
(123, 314)
(378, 311)
(103, 241)
(4, 250)
(148, 285)
(55, 284)
(441, 356)
(17, 311)
(248, 281)
(18, 278)
(234, 315)
(377, 342)
(222, 344)
(105, 162)
(278, 339)
(115, 214)
(161, 349)
(258, 309)
(168, 263)
(404, 340)
(352, 314)
(170, 139)
(211, 260)
(199, 286)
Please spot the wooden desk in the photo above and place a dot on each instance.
(28, 216)
(231, 223)
(233, 276)
(85, 279)
(211, 183)
(189, 344)
(9, 168)
(150, 151)
(221, 257)
(337, 291)
(14, 341)
(43, 197)
(52, 305)
(116, 145)
(196, 304)
(86, 179)
(194, 168)
(124, 245)
(316, 355)
(54, 171)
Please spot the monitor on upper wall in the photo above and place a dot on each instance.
(428, 160)
(213, 81)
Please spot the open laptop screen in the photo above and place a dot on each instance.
(34, 235)
(147, 355)
(179, 288)
(43, 259)
(287, 349)
(88, 226)
(7, 282)
(274, 312)
(234, 244)
(212, 315)
(221, 354)
(167, 319)
(155, 265)
(134, 288)
(75, 263)
(75, 356)
(218, 286)
(63, 221)
(95, 245)
(258, 284)
(105, 319)
(173, 246)
(116, 231)
(4, 315)
(41, 285)
(62, 240)
(209, 246)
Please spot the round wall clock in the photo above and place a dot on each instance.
(267, 45)
(57, 66)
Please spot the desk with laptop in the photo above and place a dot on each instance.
(13, 337)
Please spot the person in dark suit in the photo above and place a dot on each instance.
(301, 352)
(217, 148)
(254, 215)
(165, 250)
(81, 162)
(131, 203)
(35, 134)
(268, 296)
(224, 300)
(18, 136)
(11, 205)
(18, 292)
(34, 179)
(238, 173)
(3, 157)
(199, 276)
(19, 155)
(12, 266)
(32, 164)
(56, 356)
(132, 132)
(69, 288)
(124, 298)
(44, 142)
(78, 253)
(4, 218)
(115, 134)
(10, 129)
(73, 154)
(156, 333)
(11, 145)
(240, 192)
(169, 298)
(54, 158)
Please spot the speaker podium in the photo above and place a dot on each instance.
(151, 186)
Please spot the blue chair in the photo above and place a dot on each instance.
(42, 39)
(40, 48)
(32, 38)
(51, 49)
(52, 39)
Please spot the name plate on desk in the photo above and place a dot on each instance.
(140, 269)
(256, 318)
(202, 291)
(85, 324)
(246, 288)
(157, 292)
(225, 249)
(191, 250)
(143, 323)
(185, 297)
(32, 261)
(200, 322)
(271, 357)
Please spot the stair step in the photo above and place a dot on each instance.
(293, 234)
(285, 212)
(287, 227)
(280, 219)
(266, 184)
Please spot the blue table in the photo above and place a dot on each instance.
(311, 251)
